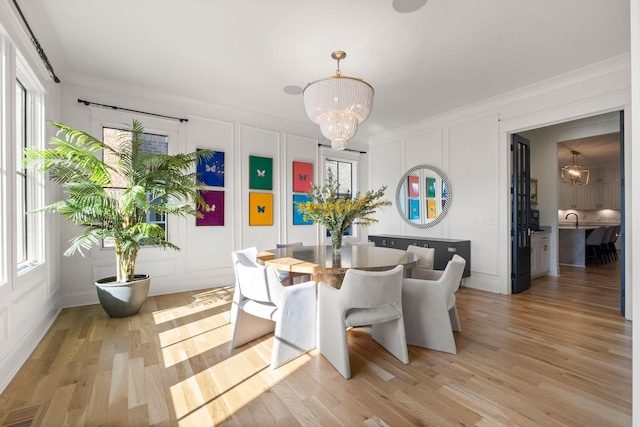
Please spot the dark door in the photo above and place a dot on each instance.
(521, 204)
(622, 221)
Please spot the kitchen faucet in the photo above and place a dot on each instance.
(572, 213)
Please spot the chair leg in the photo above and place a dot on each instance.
(233, 313)
(249, 327)
(455, 320)
(391, 335)
(334, 346)
(332, 331)
(296, 330)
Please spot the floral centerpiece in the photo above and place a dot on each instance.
(337, 212)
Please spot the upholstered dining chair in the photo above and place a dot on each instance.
(606, 255)
(267, 306)
(429, 306)
(245, 257)
(594, 244)
(288, 245)
(427, 257)
(365, 298)
(612, 242)
(359, 243)
(287, 277)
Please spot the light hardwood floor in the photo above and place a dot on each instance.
(556, 355)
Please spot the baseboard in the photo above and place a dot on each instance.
(20, 352)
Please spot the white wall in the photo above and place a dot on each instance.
(471, 145)
(205, 258)
(29, 302)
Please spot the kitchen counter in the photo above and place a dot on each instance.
(572, 245)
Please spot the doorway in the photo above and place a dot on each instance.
(599, 140)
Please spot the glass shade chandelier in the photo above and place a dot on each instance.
(575, 174)
(338, 104)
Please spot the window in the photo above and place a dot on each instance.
(29, 185)
(22, 228)
(158, 144)
(343, 173)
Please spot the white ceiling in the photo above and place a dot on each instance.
(242, 53)
(594, 151)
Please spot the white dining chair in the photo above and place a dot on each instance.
(246, 257)
(287, 277)
(429, 305)
(365, 298)
(427, 258)
(266, 306)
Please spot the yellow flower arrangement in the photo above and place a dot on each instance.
(336, 212)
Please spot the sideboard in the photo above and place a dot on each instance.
(445, 248)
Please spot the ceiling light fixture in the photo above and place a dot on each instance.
(338, 104)
(575, 174)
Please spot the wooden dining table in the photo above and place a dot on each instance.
(323, 265)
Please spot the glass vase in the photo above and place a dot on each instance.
(336, 242)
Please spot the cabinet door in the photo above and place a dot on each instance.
(579, 196)
(567, 197)
(605, 196)
(602, 176)
(546, 256)
(593, 197)
(615, 195)
(536, 261)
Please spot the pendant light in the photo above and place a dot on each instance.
(338, 104)
(575, 174)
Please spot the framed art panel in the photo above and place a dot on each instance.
(431, 208)
(414, 186)
(302, 177)
(260, 209)
(414, 208)
(431, 187)
(298, 218)
(211, 171)
(260, 173)
(215, 216)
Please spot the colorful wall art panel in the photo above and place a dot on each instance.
(302, 177)
(211, 171)
(297, 215)
(431, 208)
(215, 215)
(414, 186)
(414, 208)
(260, 173)
(431, 187)
(260, 209)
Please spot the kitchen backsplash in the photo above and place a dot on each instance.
(589, 218)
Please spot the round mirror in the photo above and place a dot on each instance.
(423, 196)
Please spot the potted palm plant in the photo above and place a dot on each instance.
(111, 199)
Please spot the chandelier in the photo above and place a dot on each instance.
(575, 174)
(338, 104)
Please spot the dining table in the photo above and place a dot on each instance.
(323, 264)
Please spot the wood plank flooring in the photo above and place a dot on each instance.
(558, 354)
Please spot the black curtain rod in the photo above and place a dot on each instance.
(346, 149)
(36, 44)
(113, 107)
